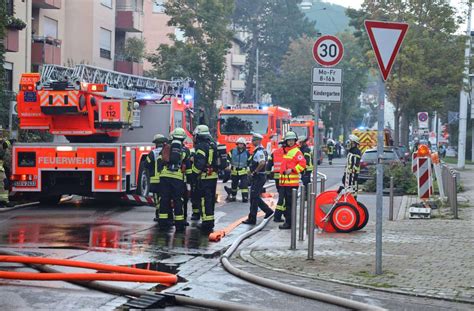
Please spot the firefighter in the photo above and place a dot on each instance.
(238, 159)
(257, 166)
(195, 197)
(175, 162)
(292, 166)
(331, 150)
(273, 169)
(5, 172)
(152, 166)
(205, 175)
(308, 156)
(352, 169)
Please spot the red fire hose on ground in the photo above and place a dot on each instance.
(121, 274)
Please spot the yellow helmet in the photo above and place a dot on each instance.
(202, 130)
(290, 135)
(241, 140)
(178, 133)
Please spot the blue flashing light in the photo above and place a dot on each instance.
(264, 108)
(361, 128)
(188, 97)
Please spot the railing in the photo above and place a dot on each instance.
(450, 184)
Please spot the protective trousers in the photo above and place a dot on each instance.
(240, 182)
(256, 189)
(3, 191)
(207, 191)
(287, 193)
(306, 178)
(195, 199)
(171, 189)
(280, 207)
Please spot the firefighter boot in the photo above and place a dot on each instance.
(278, 216)
(245, 197)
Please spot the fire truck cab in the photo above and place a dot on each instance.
(242, 120)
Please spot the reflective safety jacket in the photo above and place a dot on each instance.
(152, 165)
(331, 149)
(204, 164)
(351, 172)
(179, 173)
(274, 162)
(293, 160)
(238, 161)
(308, 155)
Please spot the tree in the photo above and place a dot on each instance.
(3, 102)
(135, 49)
(428, 69)
(294, 83)
(271, 26)
(201, 56)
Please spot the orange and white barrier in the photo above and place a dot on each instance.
(414, 164)
(423, 172)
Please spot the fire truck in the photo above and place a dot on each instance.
(109, 120)
(242, 120)
(368, 138)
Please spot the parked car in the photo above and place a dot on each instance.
(451, 152)
(369, 160)
(403, 153)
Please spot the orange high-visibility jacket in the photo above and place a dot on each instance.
(292, 159)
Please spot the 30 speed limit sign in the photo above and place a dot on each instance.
(328, 51)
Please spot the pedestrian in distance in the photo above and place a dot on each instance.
(257, 165)
(273, 171)
(293, 165)
(152, 165)
(331, 150)
(238, 159)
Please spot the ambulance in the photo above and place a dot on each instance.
(108, 120)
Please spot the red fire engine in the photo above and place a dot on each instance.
(245, 119)
(109, 120)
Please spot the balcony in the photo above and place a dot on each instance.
(11, 40)
(129, 67)
(45, 50)
(238, 59)
(47, 4)
(237, 85)
(129, 21)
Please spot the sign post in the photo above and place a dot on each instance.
(386, 39)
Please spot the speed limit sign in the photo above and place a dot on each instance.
(328, 51)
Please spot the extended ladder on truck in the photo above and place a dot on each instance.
(109, 119)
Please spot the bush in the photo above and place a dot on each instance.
(13, 22)
(403, 179)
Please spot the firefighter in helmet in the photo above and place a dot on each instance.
(152, 166)
(5, 173)
(292, 166)
(331, 150)
(205, 173)
(352, 169)
(273, 169)
(238, 158)
(174, 161)
(308, 156)
(257, 164)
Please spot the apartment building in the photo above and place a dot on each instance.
(95, 32)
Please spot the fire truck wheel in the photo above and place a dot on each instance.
(50, 200)
(365, 218)
(344, 217)
(143, 184)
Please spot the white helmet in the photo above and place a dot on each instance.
(354, 138)
(241, 140)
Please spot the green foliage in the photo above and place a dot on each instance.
(428, 71)
(135, 49)
(329, 18)
(201, 56)
(13, 22)
(4, 104)
(403, 179)
(272, 25)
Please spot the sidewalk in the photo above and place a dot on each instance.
(432, 258)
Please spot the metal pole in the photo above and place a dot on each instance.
(294, 196)
(379, 204)
(390, 211)
(464, 97)
(323, 184)
(256, 78)
(311, 231)
(302, 207)
(308, 205)
(316, 147)
(455, 196)
(10, 119)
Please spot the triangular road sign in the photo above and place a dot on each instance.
(386, 39)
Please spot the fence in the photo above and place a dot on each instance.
(450, 179)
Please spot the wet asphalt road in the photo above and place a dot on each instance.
(97, 231)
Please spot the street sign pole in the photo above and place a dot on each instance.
(379, 202)
(316, 147)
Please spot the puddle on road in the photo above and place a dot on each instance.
(162, 267)
(135, 238)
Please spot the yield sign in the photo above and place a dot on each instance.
(386, 39)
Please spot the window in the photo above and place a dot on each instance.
(105, 43)
(243, 124)
(8, 69)
(107, 3)
(158, 6)
(189, 121)
(50, 28)
(178, 119)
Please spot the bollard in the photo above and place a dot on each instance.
(390, 211)
(455, 197)
(311, 230)
(308, 205)
(302, 207)
(323, 185)
(294, 196)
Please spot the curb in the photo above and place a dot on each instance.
(246, 255)
(7, 209)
